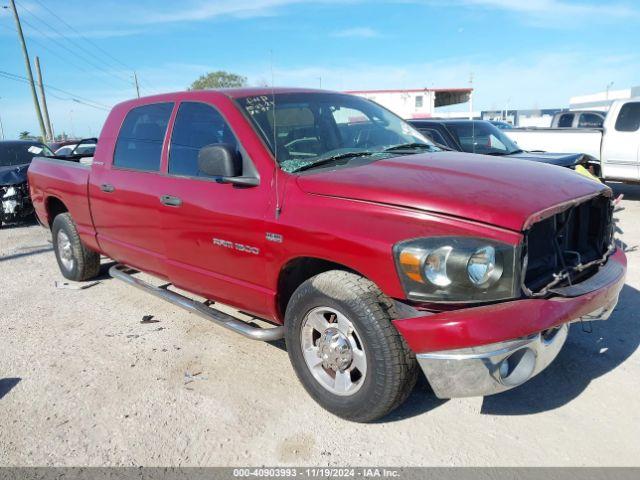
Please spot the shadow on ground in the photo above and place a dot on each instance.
(585, 357)
(421, 400)
(36, 251)
(6, 384)
(29, 221)
(105, 265)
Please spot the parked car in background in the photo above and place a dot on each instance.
(15, 158)
(85, 148)
(479, 136)
(579, 119)
(617, 145)
(501, 124)
(345, 231)
(54, 146)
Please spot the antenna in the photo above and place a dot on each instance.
(276, 166)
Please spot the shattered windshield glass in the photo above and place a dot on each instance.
(310, 128)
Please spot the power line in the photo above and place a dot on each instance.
(128, 67)
(84, 54)
(105, 53)
(25, 54)
(71, 62)
(72, 97)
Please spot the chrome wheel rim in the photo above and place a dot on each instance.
(333, 351)
(65, 253)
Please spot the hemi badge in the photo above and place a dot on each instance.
(274, 237)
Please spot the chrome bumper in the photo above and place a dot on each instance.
(494, 368)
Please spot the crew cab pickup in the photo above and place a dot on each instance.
(617, 145)
(339, 227)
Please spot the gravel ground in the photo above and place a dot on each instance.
(84, 382)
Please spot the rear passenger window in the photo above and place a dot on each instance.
(628, 118)
(566, 120)
(197, 125)
(139, 144)
(590, 120)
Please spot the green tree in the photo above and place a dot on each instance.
(219, 79)
(25, 135)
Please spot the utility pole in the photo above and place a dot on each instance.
(29, 72)
(135, 78)
(609, 85)
(73, 129)
(47, 122)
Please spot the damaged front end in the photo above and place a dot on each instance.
(567, 245)
(15, 202)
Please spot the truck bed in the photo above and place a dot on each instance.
(559, 140)
(66, 181)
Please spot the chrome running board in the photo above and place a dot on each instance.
(124, 273)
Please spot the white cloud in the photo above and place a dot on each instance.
(203, 10)
(356, 32)
(541, 80)
(551, 13)
(544, 80)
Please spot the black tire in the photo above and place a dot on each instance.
(86, 263)
(391, 370)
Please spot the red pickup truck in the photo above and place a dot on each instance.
(341, 228)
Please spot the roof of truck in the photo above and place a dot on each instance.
(236, 92)
(254, 91)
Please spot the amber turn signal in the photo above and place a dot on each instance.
(410, 261)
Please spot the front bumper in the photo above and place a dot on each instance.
(485, 350)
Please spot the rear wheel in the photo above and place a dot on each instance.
(344, 348)
(75, 260)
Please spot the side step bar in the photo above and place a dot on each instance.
(124, 273)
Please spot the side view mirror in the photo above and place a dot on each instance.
(219, 161)
(223, 162)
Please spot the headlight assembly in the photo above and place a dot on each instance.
(10, 192)
(457, 269)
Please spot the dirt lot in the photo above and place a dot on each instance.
(83, 382)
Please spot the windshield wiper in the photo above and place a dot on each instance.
(409, 146)
(502, 153)
(331, 159)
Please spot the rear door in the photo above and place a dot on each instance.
(214, 232)
(621, 143)
(125, 193)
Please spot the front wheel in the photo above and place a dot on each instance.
(344, 348)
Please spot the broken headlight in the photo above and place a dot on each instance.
(457, 269)
(10, 192)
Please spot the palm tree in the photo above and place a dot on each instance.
(25, 135)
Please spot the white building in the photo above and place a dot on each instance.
(419, 102)
(602, 100)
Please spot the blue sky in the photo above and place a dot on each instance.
(522, 53)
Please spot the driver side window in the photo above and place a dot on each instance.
(197, 125)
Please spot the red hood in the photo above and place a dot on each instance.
(497, 191)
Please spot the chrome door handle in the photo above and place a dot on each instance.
(170, 201)
(105, 187)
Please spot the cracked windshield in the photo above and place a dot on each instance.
(317, 129)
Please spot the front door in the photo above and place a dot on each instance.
(214, 232)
